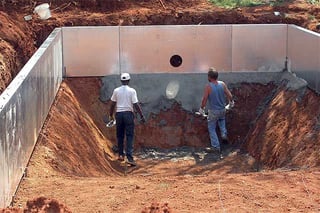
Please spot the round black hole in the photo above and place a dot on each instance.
(176, 60)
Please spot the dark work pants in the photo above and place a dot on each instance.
(125, 126)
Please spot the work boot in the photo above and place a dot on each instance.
(131, 162)
(224, 139)
(213, 150)
(115, 148)
(120, 158)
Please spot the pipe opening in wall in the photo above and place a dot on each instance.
(176, 60)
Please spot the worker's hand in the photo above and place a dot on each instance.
(231, 103)
(111, 118)
(142, 120)
(202, 111)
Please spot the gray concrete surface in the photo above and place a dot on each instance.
(151, 88)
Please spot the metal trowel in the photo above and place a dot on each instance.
(111, 123)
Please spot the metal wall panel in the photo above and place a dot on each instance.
(91, 51)
(148, 49)
(24, 106)
(259, 47)
(304, 55)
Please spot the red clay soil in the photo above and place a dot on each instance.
(16, 47)
(73, 139)
(77, 118)
(157, 208)
(287, 134)
(72, 161)
(39, 205)
(184, 129)
(77, 141)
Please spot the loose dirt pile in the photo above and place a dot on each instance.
(74, 136)
(40, 205)
(16, 47)
(157, 208)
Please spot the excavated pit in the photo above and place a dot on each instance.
(274, 124)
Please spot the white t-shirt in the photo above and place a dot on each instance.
(125, 97)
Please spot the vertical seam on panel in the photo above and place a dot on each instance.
(63, 68)
(119, 54)
(232, 48)
(287, 44)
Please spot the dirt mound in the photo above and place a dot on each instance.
(11, 210)
(16, 47)
(287, 133)
(46, 205)
(72, 140)
(157, 208)
(40, 205)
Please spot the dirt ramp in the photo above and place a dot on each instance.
(72, 140)
(287, 133)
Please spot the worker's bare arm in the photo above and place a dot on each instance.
(206, 93)
(227, 92)
(112, 107)
(138, 109)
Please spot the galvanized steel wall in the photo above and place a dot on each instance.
(148, 49)
(103, 51)
(261, 47)
(304, 55)
(91, 51)
(24, 106)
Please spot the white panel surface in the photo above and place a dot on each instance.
(259, 47)
(91, 51)
(148, 49)
(304, 55)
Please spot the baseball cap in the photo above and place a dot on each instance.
(125, 77)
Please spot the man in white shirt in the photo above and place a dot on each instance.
(125, 100)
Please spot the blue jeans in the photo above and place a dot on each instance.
(125, 126)
(216, 117)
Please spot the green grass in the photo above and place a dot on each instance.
(314, 2)
(237, 3)
(311, 17)
(275, 3)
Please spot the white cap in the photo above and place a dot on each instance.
(125, 77)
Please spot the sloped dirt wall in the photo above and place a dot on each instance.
(288, 132)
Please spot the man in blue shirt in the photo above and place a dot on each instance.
(215, 93)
